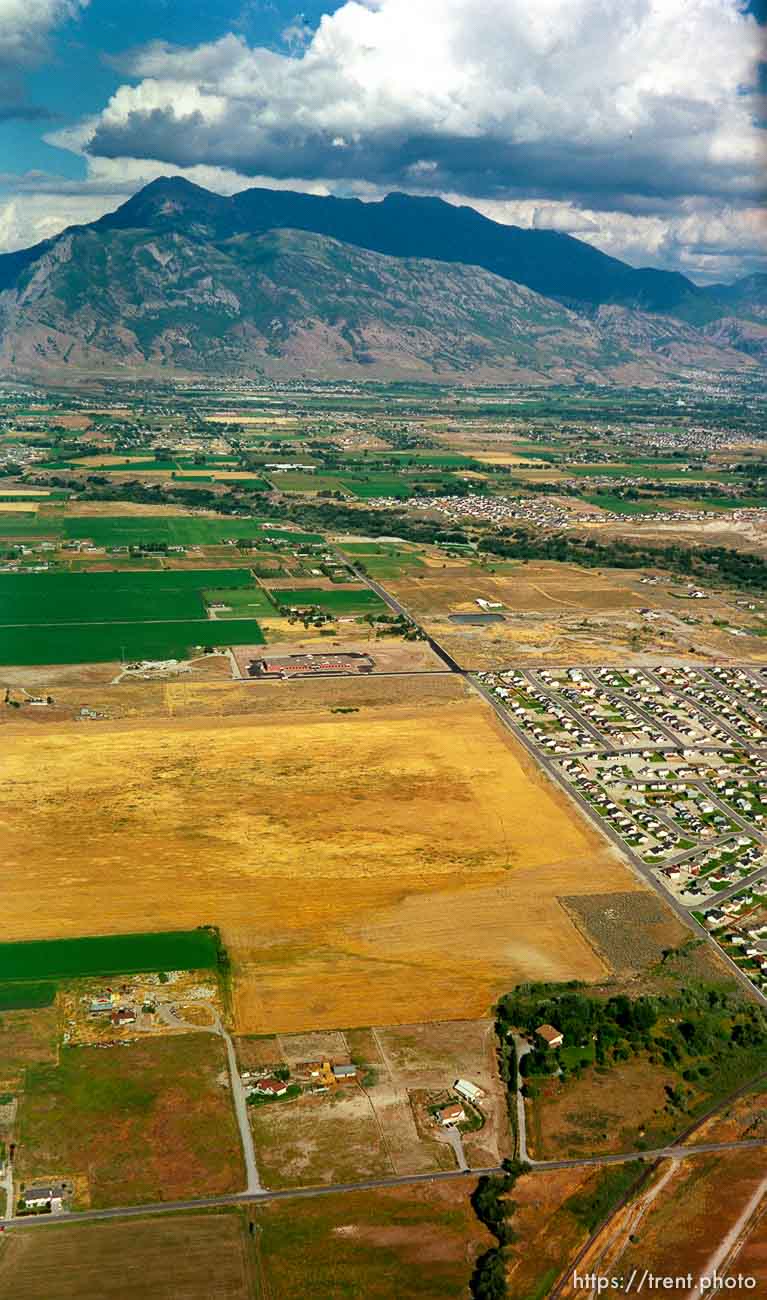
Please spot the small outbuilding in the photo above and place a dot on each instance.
(344, 1071)
(469, 1090)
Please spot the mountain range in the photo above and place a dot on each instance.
(182, 281)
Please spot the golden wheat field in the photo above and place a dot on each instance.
(400, 863)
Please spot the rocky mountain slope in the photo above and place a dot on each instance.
(182, 281)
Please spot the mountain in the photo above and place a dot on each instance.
(179, 280)
(403, 225)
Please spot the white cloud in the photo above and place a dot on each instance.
(510, 93)
(628, 123)
(25, 25)
(708, 241)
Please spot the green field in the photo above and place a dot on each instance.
(244, 602)
(26, 997)
(82, 643)
(114, 954)
(132, 530)
(393, 565)
(110, 597)
(620, 506)
(296, 480)
(378, 485)
(333, 602)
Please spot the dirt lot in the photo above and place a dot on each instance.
(332, 1137)
(389, 654)
(399, 1069)
(538, 587)
(162, 1258)
(381, 865)
(149, 1122)
(384, 1245)
(429, 1058)
(560, 613)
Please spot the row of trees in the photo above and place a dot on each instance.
(493, 1207)
(742, 568)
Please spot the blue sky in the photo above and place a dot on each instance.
(631, 124)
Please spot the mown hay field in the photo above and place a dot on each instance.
(163, 1258)
(392, 865)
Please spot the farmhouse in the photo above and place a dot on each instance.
(271, 1087)
(123, 1016)
(452, 1114)
(37, 1197)
(549, 1035)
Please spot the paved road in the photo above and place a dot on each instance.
(370, 1184)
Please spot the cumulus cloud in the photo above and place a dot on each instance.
(633, 124)
(557, 97)
(25, 26)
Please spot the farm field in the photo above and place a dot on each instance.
(444, 851)
(149, 1122)
(134, 529)
(67, 617)
(121, 954)
(85, 643)
(243, 602)
(110, 597)
(330, 600)
(191, 1256)
(385, 1245)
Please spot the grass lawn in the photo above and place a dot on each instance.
(148, 1122)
